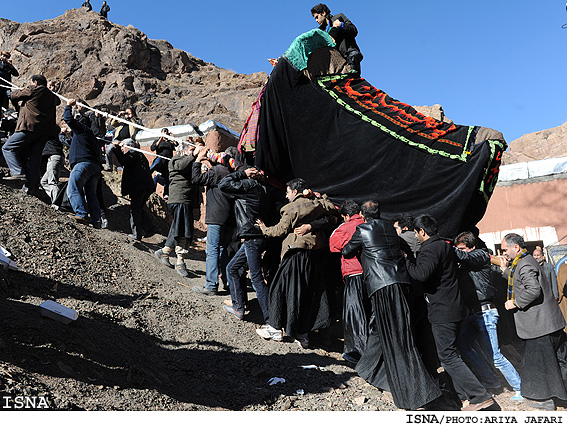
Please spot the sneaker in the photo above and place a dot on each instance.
(97, 225)
(270, 333)
(21, 177)
(517, 397)
(163, 258)
(239, 315)
(104, 223)
(227, 302)
(205, 291)
(182, 270)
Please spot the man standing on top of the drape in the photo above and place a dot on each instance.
(343, 32)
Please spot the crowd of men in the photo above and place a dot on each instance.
(410, 301)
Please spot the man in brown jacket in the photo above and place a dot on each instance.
(539, 324)
(36, 124)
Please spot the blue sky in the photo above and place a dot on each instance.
(499, 64)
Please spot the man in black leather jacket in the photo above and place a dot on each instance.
(250, 203)
(343, 32)
(390, 360)
(478, 293)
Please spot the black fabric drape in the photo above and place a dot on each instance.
(356, 315)
(391, 361)
(306, 131)
(300, 294)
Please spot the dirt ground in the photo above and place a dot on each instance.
(144, 340)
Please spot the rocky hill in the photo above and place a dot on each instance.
(544, 144)
(111, 67)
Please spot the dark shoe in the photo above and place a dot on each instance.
(204, 291)
(163, 258)
(482, 405)
(541, 405)
(239, 315)
(97, 225)
(181, 270)
(79, 219)
(21, 177)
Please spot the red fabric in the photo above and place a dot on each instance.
(340, 237)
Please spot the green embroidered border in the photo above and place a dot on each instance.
(493, 143)
(462, 157)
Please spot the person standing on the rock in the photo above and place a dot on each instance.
(87, 5)
(104, 10)
(7, 70)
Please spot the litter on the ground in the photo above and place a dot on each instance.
(276, 380)
(58, 312)
(318, 368)
(5, 259)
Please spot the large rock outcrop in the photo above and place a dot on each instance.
(544, 144)
(111, 67)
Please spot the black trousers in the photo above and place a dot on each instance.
(468, 386)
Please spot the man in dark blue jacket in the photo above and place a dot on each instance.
(84, 159)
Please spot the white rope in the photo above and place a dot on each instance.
(136, 125)
(137, 149)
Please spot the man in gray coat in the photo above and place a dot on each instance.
(539, 323)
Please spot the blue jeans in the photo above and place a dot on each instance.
(488, 340)
(216, 254)
(82, 184)
(22, 152)
(250, 252)
(473, 355)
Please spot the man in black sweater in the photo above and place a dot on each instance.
(436, 268)
(343, 32)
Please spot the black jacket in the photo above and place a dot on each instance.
(7, 70)
(181, 188)
(219, 207)
(250, 203)
(474, 278)
(54, 146)
(98, 125)
(84, 145)
(436, 268)
(136, 176)
(165, 148)
(380, 255)
(344, 36)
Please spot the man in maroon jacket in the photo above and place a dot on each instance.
(356, 310)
